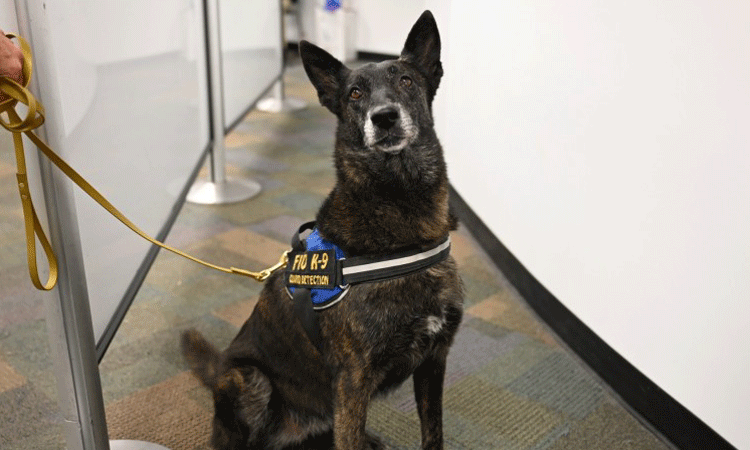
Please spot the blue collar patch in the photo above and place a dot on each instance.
(317, 269)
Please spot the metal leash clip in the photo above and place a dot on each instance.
(265, 273)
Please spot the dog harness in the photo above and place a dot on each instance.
(319, 274)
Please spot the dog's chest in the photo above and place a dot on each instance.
(415, 334)
(425, 333)
(389, 328)
(404, 348)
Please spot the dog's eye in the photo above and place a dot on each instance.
(355, 94)
(405, 81)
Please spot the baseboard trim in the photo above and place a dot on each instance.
(665, 414)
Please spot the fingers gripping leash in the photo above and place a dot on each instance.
(18, 93)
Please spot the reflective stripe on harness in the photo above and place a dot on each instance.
(361, 269)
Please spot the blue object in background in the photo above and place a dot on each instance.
(333, 5)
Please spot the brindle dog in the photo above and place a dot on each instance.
(272, 387)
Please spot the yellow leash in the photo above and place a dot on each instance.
(34, 118)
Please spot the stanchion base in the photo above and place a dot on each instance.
(230, 191)
(275, 105)
(134, 445)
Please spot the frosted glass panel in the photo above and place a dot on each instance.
(250, 33)
(133, 115)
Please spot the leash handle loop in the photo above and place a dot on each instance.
(15, 93)
(18, 93)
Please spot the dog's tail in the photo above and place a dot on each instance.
(204, 359)
(246, 391)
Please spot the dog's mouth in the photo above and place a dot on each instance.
(391, 143)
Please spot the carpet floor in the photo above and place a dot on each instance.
(509, 383)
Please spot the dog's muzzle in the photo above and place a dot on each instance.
(389, 128)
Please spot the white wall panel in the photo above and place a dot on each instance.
(379, 23)
(607, 145)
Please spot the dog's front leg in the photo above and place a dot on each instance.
(428, 393)
(353, 391)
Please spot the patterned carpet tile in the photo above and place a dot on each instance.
(263, 209)
(501, 309)
(502, 417)
(397, 429)
(163, 406)
(520, 360)
(237, 313)
(279, 228)
(132, 365)
(559, 383)
(29, 420)
(252, 245)
(608, 427)
(18, 305)
(25, 347)
(9, 377)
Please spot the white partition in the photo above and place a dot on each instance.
(607, 145)
(250, 34)
(125, 85)
(371, 15)
(125, 89)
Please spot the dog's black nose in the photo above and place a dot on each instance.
(385, 118)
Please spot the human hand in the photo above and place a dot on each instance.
(11, 61)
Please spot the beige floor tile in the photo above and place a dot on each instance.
(9, 378)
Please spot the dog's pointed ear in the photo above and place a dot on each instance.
(422, 49)
(325, 72)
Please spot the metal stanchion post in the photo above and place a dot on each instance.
(279, 102)
(219, 189)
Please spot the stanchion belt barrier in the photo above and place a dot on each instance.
(35, 118)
